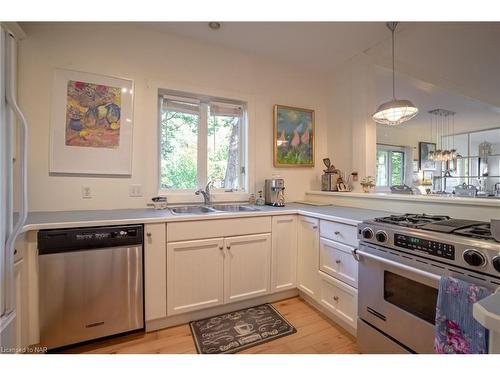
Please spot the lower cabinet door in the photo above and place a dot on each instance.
(195, 272)
(340, 299)
(284, 253)
(248, 266)
(308, 256)
(155, 271)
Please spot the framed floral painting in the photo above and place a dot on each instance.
(91, 127)
(293, 137)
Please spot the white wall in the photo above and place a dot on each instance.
(352, 134)
(153, 59)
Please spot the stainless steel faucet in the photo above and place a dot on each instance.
(206, 193)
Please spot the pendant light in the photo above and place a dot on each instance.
(396, 111)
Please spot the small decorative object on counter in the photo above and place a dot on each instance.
(465, 190)
(367, 183)
(159, 203)
(329, 180)
(344, 182)
(251, 199)
(260, 200)
(354, 176)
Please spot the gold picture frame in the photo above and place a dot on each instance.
(294, 137)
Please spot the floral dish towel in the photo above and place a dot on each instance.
(457, 332)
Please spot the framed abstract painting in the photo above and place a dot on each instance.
(293, 137)
(91, 124)
(424, 148)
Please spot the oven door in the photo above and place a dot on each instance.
(398, 298)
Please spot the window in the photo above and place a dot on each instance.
(202, 139)
(390, 166)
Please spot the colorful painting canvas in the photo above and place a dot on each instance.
(293, 137)
(93, 115)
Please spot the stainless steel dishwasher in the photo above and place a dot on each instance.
(90, 283)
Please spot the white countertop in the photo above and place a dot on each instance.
(68, 219)
(487, 312)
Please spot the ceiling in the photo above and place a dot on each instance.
(461, 57)
(320, 46)
(471, 114)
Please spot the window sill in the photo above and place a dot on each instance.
(190, 197)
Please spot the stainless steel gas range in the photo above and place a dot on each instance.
(401, 260)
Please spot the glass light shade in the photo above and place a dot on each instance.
(431, 155)
(395, 112)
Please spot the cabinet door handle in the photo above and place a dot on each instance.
(336, 232)
(221, 248)
(335, 298)
(315, 227)
(228, 247)
(338, 261)
(15, 251)
(148, 234)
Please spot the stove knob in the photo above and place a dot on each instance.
(381, 236)
(496, 263)
(474, 258)
(367, 233)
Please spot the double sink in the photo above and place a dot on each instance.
(190, 210)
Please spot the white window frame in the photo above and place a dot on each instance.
(176, 196)
(391, 148)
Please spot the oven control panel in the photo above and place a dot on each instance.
(438, 249)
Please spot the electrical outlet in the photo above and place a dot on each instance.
(135, 190)
(86, 192)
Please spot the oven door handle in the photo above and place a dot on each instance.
(400, 266)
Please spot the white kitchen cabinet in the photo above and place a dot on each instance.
(21, 293)
(284, 253)
(155, 271)
(339, 299)
(308, 258)
(195, 230)
(247, 267)
(195, 275)
(339, 232)
(20, 282)
(335, 259)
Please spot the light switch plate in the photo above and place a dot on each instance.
(86, 192)
(135, 190)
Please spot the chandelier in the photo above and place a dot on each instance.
(443, 121)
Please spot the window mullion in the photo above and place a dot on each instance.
(202, 145)
(389, 168)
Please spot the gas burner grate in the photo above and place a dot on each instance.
(480, 231)
(411, 220)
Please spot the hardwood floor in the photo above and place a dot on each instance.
(315, 334)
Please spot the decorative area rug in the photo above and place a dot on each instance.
(238, 330)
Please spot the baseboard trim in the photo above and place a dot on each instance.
(176, 320)
(329, 315)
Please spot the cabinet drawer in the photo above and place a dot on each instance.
(336, 260)
(193, 230)
(340, 299)
(339, 232)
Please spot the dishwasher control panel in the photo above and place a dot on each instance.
(73, 239)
